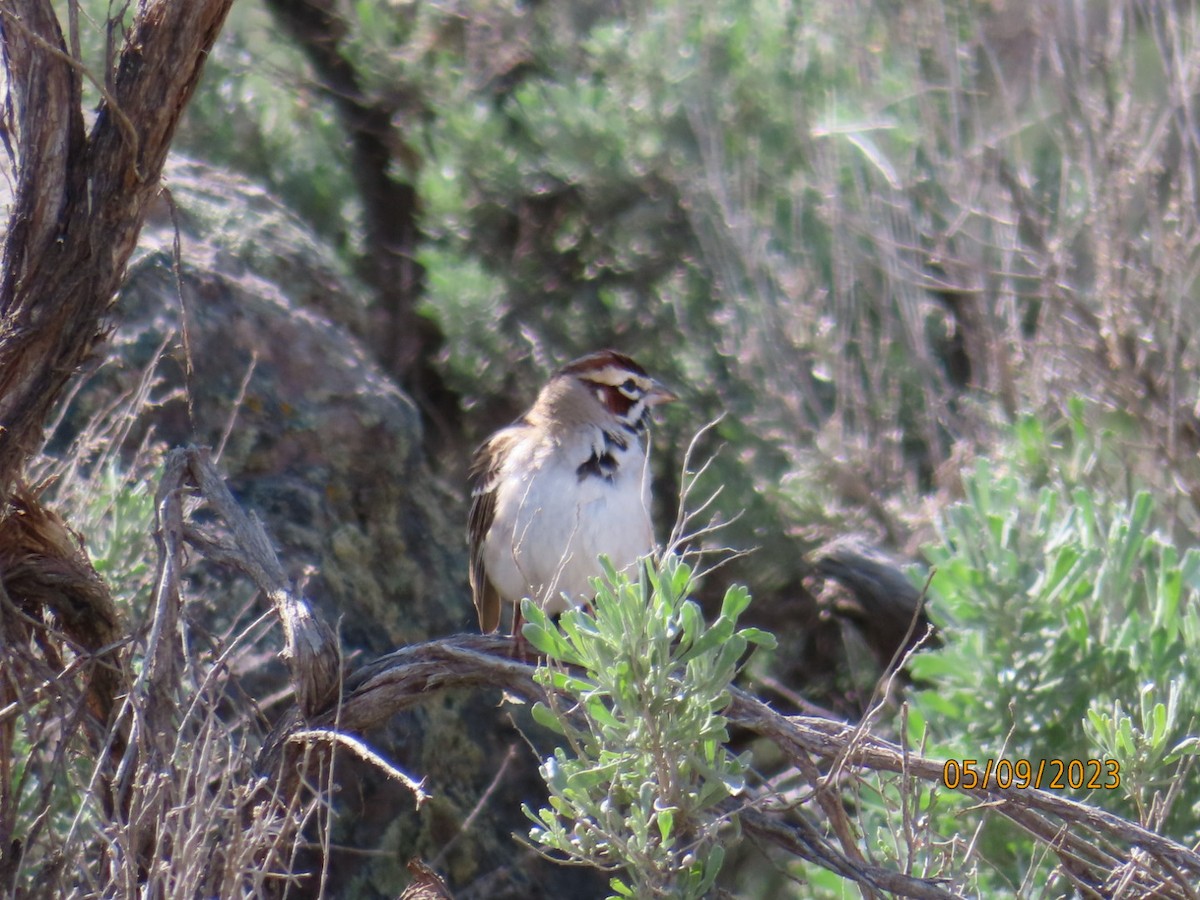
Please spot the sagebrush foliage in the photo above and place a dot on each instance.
(637, 684)
(1072, 632)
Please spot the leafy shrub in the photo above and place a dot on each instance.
(640, 785)
(1071, 630)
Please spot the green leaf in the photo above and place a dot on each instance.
(1102, 724)
(716, 635)
(681, 577)
(666, 821)
(600, 712)
(620, 888)
(1167, 596)
(759, 637)
(1187, 747)
(728, 656)
(586, 779)
(692, 620)
(916, 726)
(1190, 569)
(1158, 731)
(545, 636)
(568, 681)
(1132, 536)
(1078, 629)
(1125, 739)
(737, 598)
(546, 718)
(712, 868)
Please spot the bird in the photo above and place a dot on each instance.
(566, 482)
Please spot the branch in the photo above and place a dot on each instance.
(1094, 845)
(1074, 830)
(49, 126)
(804, 841)
(311, 649)
(80, 201)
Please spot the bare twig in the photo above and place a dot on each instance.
(505, 765)
(362, 751)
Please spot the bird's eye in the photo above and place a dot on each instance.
(630, 386)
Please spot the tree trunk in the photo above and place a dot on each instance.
(80, 198)
(404, 342)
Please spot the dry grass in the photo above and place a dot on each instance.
(129, 744)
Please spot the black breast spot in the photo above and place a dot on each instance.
(598, 465)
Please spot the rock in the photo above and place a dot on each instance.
(314, 436)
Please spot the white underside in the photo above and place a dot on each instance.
(551, 526)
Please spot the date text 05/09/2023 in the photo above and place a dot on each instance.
(1047, 774)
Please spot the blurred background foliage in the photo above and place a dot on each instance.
(889, 243)
(869, 234)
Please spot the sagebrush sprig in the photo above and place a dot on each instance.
(636, 685)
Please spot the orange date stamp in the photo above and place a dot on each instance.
(1048, 774)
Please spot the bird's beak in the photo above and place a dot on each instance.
(658, 395)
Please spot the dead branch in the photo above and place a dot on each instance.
(803, 840)
(1087, 838)
(392, 683)
(80, 199)
(151, 713)
(46, 574)
(1093, 844)
(311, 649)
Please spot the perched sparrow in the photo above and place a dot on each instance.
(565, 483)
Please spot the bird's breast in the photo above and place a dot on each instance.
(558, 510)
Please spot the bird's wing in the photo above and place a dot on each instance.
(485, 479)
